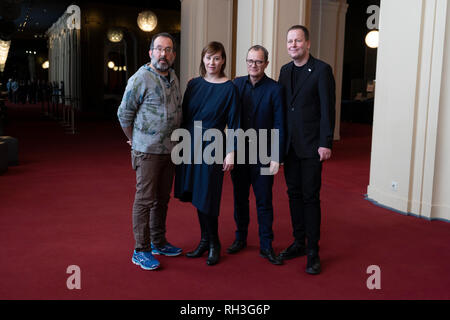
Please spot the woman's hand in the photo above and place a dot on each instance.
(274, 167)
(228, 163)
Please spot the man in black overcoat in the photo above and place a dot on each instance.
(309, 89)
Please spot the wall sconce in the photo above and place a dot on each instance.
(147, 21)
(115, 34)
(372, 39)
(45, 65)
(111, 64)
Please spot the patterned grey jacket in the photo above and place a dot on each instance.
(152, 105)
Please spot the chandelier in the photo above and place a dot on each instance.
(115, 34)
(4, 48)
(147, 21)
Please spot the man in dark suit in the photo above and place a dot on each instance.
(262, 108)
(309, 88)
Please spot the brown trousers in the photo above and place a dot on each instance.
(154, 179)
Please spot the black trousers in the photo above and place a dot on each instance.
(304, 180)
(244, 177)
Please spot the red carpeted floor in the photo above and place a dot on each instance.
(69, 203)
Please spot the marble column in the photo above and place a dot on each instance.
(409, 169)
(64, 53)
(327, 31)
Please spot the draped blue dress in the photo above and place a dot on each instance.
(216, 105)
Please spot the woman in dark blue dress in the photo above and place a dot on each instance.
(212, 99)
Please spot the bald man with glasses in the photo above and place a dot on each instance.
(262, 108)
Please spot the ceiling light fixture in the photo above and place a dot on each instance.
(147, 21)
(4, 48)
(372, 39)
(115, 34)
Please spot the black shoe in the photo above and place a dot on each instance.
(202, 247)
(270, 255)
(237, 246)
(293, 251)
(214, 253)
(313, 264)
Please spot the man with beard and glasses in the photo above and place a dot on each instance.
(148, 114)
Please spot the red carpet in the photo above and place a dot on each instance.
(69, 203)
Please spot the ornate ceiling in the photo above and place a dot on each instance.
(29, 19)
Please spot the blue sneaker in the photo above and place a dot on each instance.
(168, 250)
(145, 260)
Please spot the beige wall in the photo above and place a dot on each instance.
(408, 101)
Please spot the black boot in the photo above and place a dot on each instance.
(214, 243)
(214, 253)
(203, 246)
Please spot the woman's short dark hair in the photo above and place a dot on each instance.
(212, 48)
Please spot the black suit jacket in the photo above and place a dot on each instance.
(269, 110)
(310, 108)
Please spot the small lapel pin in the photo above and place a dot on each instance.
(309, 69)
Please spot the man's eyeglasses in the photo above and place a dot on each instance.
(160, 49)
(257, 62)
